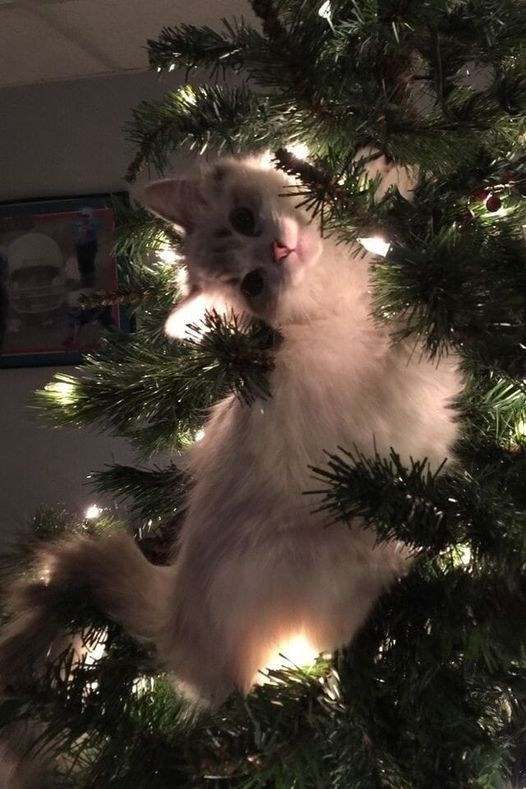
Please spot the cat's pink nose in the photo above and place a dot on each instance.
(280, 251)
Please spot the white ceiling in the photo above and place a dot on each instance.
(47, 40)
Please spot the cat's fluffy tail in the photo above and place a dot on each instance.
(24, 763)
(111, 572)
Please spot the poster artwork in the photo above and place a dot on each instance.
(48, 259)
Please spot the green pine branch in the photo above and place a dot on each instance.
(152, 493)
(137, 232)
(155, 392)
(223, 118)
(428, 510)
(188, 47)
(373, 718)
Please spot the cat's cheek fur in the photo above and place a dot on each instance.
(191, 311)
(305, 255)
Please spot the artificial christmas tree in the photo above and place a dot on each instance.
(431, 692)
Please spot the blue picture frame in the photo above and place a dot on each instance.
(53, 250)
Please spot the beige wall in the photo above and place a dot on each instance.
(42, 465)
(56, 139)
(66, 137)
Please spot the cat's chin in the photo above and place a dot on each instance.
(192, 310)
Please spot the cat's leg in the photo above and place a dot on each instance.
(296, 596)
(191, 645)
(226, 627)
(111, 572)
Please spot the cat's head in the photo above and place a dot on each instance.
(246, 243)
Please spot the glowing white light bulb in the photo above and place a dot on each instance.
(58, 386)
(167, 256)
(502, 211)
(299, 150)
(296, 650)
(63, 391)
(325, 10)
(187, 93)
(92, 512)
(142, 685)
(199, 435)
(94, 652)
(376, 245)
(266, 159)
(465, 555)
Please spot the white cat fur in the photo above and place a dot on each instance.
(255, 566)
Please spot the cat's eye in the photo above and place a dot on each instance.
(243, 221)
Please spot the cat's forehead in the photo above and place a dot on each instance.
(245, 180)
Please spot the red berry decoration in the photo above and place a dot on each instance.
(493, 203)
(482, 195)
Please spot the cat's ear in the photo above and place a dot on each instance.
(176, 200)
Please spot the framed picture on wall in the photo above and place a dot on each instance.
(51, 252)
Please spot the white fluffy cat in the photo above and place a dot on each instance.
(257, 571)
